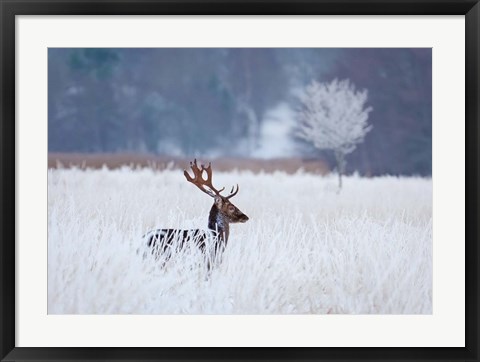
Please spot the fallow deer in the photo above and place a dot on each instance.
(222, 214)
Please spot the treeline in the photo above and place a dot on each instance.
(212, 101)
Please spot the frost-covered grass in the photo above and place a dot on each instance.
(305, 249)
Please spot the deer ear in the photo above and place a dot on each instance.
(218, 201)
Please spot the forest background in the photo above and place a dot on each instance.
(236, 102)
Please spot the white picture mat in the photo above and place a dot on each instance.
(445, 34)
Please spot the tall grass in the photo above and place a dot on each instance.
(305, 249)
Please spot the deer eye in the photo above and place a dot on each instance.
(231, 208)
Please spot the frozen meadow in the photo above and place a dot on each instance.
(305, 249)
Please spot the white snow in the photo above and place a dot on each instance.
(305, 249)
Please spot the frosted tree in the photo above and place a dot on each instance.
(333, 117)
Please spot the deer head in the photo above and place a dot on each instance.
(225, 207)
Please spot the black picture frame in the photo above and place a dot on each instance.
(11, 8)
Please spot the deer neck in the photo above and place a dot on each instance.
(217, 222)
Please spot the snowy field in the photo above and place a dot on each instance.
(305, 249)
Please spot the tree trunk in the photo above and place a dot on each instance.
(340, 159)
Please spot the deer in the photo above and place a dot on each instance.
(222, 213)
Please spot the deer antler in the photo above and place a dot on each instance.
(232, 194)
(200, 182)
